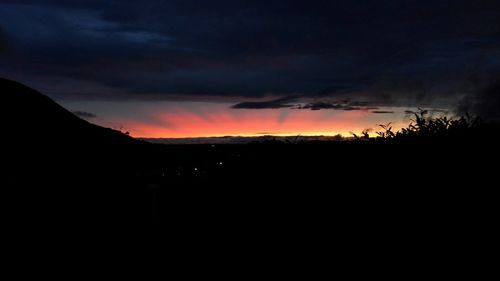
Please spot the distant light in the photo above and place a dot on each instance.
(221, 163)
(196, 169)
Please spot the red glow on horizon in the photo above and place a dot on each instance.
(218, 120)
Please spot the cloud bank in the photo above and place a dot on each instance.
(84, 114)
(408, 52)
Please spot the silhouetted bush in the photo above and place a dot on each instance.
(425, 127)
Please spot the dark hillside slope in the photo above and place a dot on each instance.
(58, 166)
(29, 116)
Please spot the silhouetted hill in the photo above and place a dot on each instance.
(59, 167)
(31, 117)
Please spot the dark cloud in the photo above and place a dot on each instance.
(273, 104)
(485, 103)
(84, 114)
(3, 41)
(431, 112)
(407, 52)
(318, 105)
(382, 112)
(344, 105)
(321, 105)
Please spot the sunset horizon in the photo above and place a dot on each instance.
(166, 119)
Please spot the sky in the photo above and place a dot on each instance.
(186, 68)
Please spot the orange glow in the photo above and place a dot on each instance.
(219, 120)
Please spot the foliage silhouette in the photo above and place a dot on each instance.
(424, 127)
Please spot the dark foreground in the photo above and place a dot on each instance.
(358, 183)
